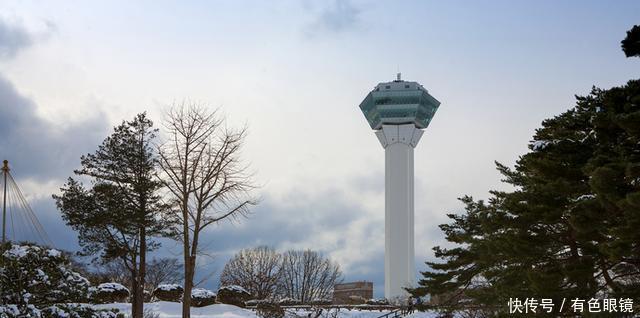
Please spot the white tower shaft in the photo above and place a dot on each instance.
(399, 268)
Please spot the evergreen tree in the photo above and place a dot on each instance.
(631, 44)
(568, 230)
(121, 211)
(40, 282)
(36, 275)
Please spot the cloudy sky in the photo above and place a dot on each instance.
(294, 72)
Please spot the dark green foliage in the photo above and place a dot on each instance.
(202, 297)
(570, 227)
(169, 292)
(106, 293)
(631, 44)
(58, 311)
(38, 276)
(78, 311)
(123, 196)
(233, 295)
(118, 214)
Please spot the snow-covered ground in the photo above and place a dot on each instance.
(169, 310)
(165, 309)
(343, 313)
(420, 314)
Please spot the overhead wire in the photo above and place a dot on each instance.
(34, 219)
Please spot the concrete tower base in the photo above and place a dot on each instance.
(399, 260)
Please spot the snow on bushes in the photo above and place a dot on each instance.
(169, 287)
(34, 275)
(255, 302)
(79, 311)
(201, 297)
(289, 302)
(233, 295)
(378, 302)
(109, 293)
(9, 310)
(235, 289)
(168, 292)
(15, 311)
(58, 311)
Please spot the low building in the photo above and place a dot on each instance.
(353, 292)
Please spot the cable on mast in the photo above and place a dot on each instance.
(20, 213)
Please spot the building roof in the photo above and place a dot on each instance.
(399, 102)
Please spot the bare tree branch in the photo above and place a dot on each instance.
(207, 181)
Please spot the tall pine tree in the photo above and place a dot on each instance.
(570, 229)
(121, 211)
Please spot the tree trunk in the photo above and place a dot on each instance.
(141, 274)
(134, 284)
(133, 295)
(188, 286)
(188, 275)
(576, 257)
(607, 278)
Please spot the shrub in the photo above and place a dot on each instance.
(233, 295)
(201, 297)
(79, 311)
(168, 292)
(109, 293)
(39, 276)
(57, 311)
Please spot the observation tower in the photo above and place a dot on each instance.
(398, 111)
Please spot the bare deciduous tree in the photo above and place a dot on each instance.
(308, 275)
(202, 170)
(163, 271)
(114, 272)
(158, 271)
(258, 270)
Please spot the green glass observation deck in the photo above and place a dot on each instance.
(399, 102)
